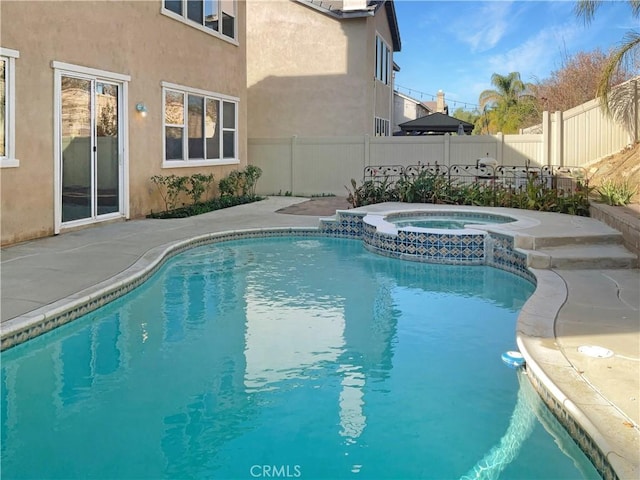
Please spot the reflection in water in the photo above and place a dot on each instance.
(352, 417)
(501, 455)
(314, 335)
(107, 354)
(274, 352)
(529, 408)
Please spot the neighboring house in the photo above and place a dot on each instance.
(97, 97)
(439, 105)
(406, 108)
(320, 68)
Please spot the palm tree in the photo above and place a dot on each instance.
(506, 100)
(509, 88)
(627, 51)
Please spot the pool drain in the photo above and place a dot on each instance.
(595, 351)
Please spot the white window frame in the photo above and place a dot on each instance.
(381, 127)
(198, 162)
(383, 61)
(218, 34)
(9, 160)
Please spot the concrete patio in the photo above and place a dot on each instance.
(588, 295)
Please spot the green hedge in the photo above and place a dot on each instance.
(204, 207)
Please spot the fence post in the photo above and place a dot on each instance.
(499, 147)
(447, 149)
(558, 140)
(294, 141)
(546, 138)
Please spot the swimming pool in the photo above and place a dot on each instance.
(446, 220)
(304, 356)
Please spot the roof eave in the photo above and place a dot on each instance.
(393, 25)
(370, 11)
(339, 14)
(418, 123)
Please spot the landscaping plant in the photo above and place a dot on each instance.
(235, 189)
(170, 187)
(197, 184)
(434, 187)
(613, 193)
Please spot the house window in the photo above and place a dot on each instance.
(7, 108)
(381, 128)
(383, 61)
(213, 16)
(200, 128)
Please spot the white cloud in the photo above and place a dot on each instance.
(534, 59)
(537, 56)
(482, 28)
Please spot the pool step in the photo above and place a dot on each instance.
(590, 256)
(542, 242)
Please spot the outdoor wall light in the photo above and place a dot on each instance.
(142, 109)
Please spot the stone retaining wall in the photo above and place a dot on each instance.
(624, 219)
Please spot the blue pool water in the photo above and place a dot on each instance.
(448, 221)
(286, 357)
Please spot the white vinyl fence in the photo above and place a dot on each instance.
(585, 134)
(325, 165)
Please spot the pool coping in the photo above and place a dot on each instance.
(531, 331)
(546, 365)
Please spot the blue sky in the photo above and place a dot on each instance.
(456, 46)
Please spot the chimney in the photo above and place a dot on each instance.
(352, 5)
(440, 102)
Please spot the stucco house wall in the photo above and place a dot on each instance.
(310, 73)
(128, 38)
(383, 107)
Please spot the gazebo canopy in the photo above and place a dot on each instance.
(435, 124)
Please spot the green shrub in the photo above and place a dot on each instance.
(240, 183)
(204, 207)
(613, 193)
(198, 183)
(228, 185)
(430, 187)
(235, 189)
(251, 176)
(371, 191)
(170, 187)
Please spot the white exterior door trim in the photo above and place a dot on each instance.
(61, 69)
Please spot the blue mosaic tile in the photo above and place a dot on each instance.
(581, 437)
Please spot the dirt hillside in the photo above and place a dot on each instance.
(623, 166)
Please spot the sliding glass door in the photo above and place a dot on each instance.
(90, 142)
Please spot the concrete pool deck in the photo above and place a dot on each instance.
(587, 296)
